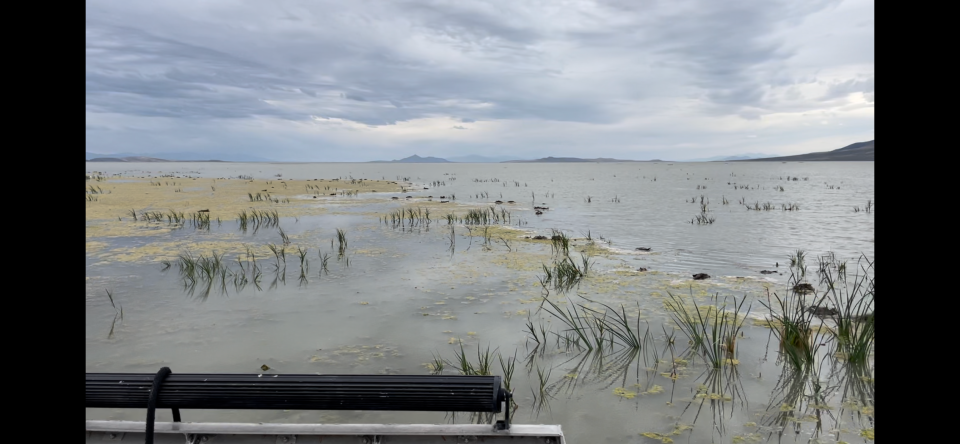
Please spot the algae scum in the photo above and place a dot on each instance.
(598, 326)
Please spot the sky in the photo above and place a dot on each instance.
(365, 80)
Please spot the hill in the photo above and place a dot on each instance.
(414, 159)
(577, 159)
(860, 151)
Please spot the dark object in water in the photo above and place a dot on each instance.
(700, 276)
(510, 201)
(804, 288)
(498, 202)
(333, 194)
(395, 198)
(555, 237)
(444, 201)
(443, 197)
(203, 211)
(409, 197)
(264, 367)
(426, 188)
(540, 208)
(316, 197)
(643, 248)
(822, 312)
(538, 212)
(767, 272)
(641, 269)
(540, 237)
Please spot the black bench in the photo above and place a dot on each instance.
(296, 392)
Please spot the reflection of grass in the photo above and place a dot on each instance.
(718, 387)
(541, 396)
(858, 393)
(797, 398)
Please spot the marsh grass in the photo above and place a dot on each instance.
(559, 243)
(341, 242)
(257, 219)
(304, 262)
(280, 254)
(489, 216)
(437, 366)
(200, 221)
(536, 333)
(796, 328)
(565, 274)
(853, 302)
(324, 258)
(466, 367)
(203, 273)
(593, 329)
(703, 219)
(712, 330)
(118, 315)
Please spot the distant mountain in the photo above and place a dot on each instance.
(860, 151)
(482, 159)
(142, 159)
(181, 156)
(127, 159)
(577, 159)
(729, 158)
(414, 159)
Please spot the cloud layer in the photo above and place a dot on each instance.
(365, 80)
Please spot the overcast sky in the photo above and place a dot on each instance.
(362, 80)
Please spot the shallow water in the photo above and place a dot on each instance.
(405, 297)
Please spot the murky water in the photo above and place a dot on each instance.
(400, 296)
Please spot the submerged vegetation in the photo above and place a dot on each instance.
(594, 327)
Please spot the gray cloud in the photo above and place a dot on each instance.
(385, 63)
(840, 89)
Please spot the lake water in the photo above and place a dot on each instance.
(406, 296)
